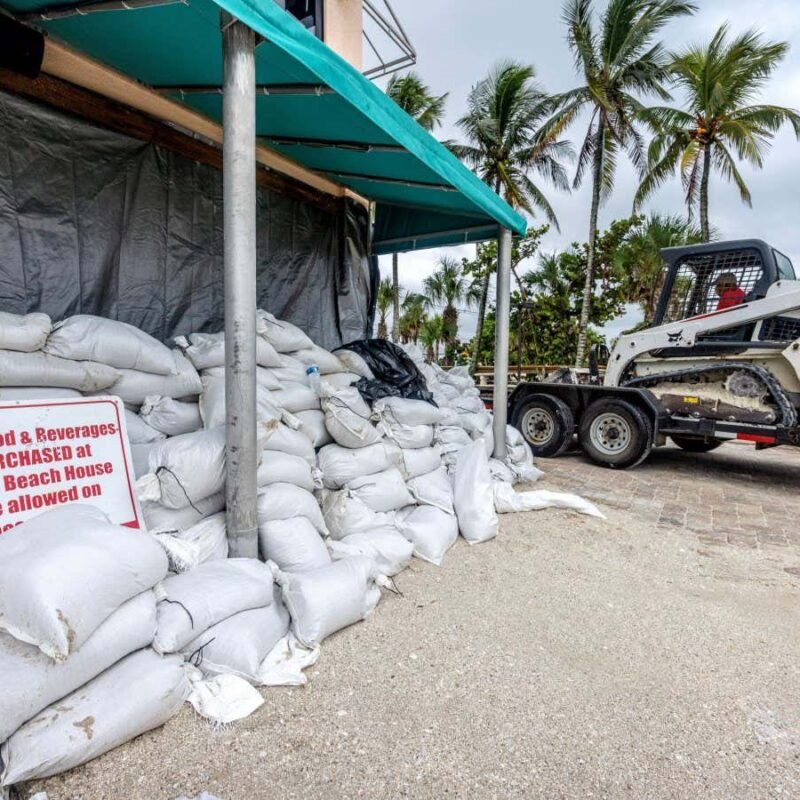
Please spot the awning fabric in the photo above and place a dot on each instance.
(322, 113)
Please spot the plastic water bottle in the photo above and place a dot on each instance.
(312, 373)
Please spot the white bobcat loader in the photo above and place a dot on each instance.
(721, 361)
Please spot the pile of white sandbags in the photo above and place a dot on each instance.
(77, 620)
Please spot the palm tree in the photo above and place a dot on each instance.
(417, 100)
(721, 81)
(619, 61)
(505, 146)
(413, 317)
(432, 333)
(385, 298)
(448, 286)
(641, 257)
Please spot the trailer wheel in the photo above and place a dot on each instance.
(546, 423)
(694, 445)
(616, 433)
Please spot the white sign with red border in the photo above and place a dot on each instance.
(58, 452)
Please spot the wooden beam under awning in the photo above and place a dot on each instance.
(64, 63)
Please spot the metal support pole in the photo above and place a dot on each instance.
(501, 339)
(239, 198)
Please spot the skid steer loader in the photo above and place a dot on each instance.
(721, 361)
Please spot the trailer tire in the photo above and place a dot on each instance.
(692, 444)
(546, 423)
(616, 434)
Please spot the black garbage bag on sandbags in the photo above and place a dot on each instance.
(396, 375)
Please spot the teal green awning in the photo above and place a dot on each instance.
(312, 107)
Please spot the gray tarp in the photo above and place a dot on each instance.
(95, 222)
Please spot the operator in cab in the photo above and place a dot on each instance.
(729, 292)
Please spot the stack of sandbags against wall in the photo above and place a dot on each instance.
(77, 618)
(364, 488)
(144, 366)
(28, 370)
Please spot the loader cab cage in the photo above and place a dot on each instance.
(692, 275)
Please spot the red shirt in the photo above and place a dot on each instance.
(730, 298)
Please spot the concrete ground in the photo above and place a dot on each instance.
(651, 655)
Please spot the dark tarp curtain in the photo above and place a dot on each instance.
(95, 222)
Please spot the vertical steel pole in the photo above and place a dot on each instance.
(501, 340)
(239, 197)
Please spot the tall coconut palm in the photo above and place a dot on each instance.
(641, 257)
(431, 335)
(385, 298)
(620, 61)
(413, 316)
(722, 82)
(417, 100)
(449, 287)
(506, 147)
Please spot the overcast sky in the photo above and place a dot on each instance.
(457, 42)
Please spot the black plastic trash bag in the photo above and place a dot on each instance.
(396, 375)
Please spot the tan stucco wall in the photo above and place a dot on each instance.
(344, 25)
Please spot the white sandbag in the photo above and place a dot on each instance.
(407, 411)
(452, 437)
(23, 332)
(107, 341)
(185, 469)
(282, 439)
(294, 397)
(390, 551)
(421, 461)
(316, 356)
(328, 599)
(205, 541)
(347, 417)
(277, 467)
(140, 459)
(312, 424)
(284, 501)
(239, 644)
(293, 544)
(346, 515)
(340, 465)
(411, 437)
(353, 362)
(160, 519)
(31, 681)
(460, 378)
(190, 603)
(41, 369)
(383, 491)
(222, 699)
(285, 663)
(469, 404)
(508, 501)
(212, 403)
(475, 424)
(432, 531)
(139, 432)
(501, 472)
(171, 417)
(282, 335)
(341, 379)
(66, 571)
(433, 489)
(290, 371)
(474, 495)
(487, 439)
(138, 694)
(10, 394)
(134, 386)
(206, 350)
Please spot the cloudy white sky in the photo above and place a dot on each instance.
(457, 42)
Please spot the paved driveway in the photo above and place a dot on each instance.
(651, 655)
